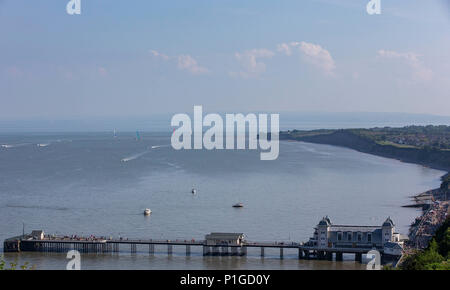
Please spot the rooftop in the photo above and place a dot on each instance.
(224, 236)
(345, 228)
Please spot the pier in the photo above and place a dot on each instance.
(102, 246)
(329, 242)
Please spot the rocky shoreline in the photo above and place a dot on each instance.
(435, 206)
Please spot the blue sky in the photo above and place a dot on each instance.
(138, 58)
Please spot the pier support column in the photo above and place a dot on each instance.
(151, 249)
(169, 250)
(216, 251)
(300, 254)
(262, 252)
(383, 259)
(188, 250)
(244, 251)
(224, 251)
(281, 253)
(339, 256)
(306, 252)
(320, 255)
(358, 257)
(205, 250)
(329, 256)
(234, 251)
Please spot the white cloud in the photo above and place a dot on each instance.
(318, 56)
(284, 48)
(250, 62)
(184, 62)
(187, 62)
(311, 53)
(159, 55)
(419, 71)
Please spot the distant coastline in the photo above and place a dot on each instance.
(430, 157)
(362, 141)
(354, 139)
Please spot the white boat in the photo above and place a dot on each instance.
(194, 191)
(147, 211)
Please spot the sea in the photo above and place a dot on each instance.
(99, 184)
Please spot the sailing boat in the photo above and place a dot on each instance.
(138, 137)
(115, 133)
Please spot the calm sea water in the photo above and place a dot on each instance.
(96, 184)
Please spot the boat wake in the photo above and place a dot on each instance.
(313, 150)
(7, 146)
(36, 207)
(173, 165)
(159, 146)
(136, 156)
(133, 157)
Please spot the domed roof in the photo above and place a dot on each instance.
(388, 222)
(325, 221)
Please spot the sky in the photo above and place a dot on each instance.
(140, 58)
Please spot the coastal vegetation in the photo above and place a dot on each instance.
(436, 256)
(12, 266)
(445, 185)
(425, 145)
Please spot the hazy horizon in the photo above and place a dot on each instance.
(132, 59)
(161, 122)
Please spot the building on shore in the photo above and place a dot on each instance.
(38, 235)
(232, 239)
(384, 237)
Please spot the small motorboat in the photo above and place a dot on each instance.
(194, 191)
(239, 204)
(147, 211)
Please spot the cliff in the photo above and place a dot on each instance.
(435, 158)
